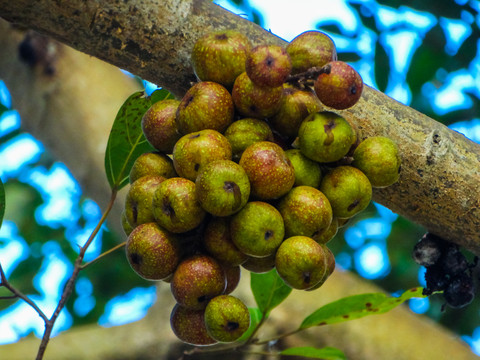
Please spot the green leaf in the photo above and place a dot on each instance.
(126, 141)
(268, 289)
(2, 202)
(255, 318)
(357, 306)
(160, 94)
(326, 353)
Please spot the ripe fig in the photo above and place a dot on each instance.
(159, 125)
(153, 253)
(339, 85)
(189, 326)
(196, 281)
(269, 170)
(268, 65)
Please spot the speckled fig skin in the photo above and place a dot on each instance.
(197, 280)
(268, 65)
(222, 187)
(232, 276)
(339, 85)
(127, 228)
(327, 235)
(325, 137)
(138, 202)
(194, 150)
(244, 132)
(311, 49)
(175, 205)
(348, 190)
(152, 252)
(296, 105)
(255, 101)
(305, 211)
(301, 262)
(218, 242)
(270, 171)
(206, 105)
(257, 230)
(378, 158)
(330, 267)
(307, 172)
(226, 318)
(159, 125)
(152, 163)
(189, 326)
(220, 56)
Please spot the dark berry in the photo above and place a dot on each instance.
(460, 292)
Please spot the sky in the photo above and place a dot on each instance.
(63, 205)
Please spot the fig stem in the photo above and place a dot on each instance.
(115, 248)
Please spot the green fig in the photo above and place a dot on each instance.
(295, 106)
(305, 211)
(220, 56)
(339, 85)
(175, 205)
(325, 137)
(307, 172)
(196, 281)
(226, 318)
(269, 170)
(244, 132)
(222, 187)
(153, 253)
(159, 125)
(301, 262)
(327, 235)
(189, 326)
(258, 229)
(206, 105)
(127, 228)
(377, 157)
(348, 190)
(138, 202)
(152, 163)
(194, 150)
(311, 49)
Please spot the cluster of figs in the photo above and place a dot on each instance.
(253, 169)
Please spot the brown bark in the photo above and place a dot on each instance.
(438, 187)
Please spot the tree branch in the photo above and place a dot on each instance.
(438, 187)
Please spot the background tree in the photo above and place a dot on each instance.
(128, 55)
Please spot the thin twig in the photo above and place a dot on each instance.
(67, 291)
(18, 294)
(119, 246)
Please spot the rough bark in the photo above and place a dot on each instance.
(440, 177)
(72, 111)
